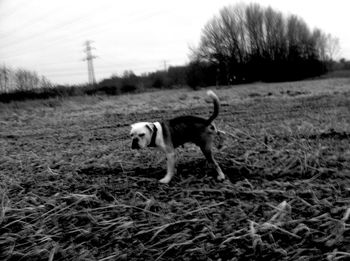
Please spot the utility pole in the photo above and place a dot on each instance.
(89, 58)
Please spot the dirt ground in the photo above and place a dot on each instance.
(71, 188)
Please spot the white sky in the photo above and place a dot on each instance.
(47, 36)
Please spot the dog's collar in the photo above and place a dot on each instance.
(154, 136)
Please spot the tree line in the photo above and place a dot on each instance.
(249, 43)
(240, 44)
(21, 80)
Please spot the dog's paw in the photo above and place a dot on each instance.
(221, 177)
(165, 180)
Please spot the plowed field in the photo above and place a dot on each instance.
(71, 188)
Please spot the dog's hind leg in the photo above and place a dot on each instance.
(210, 158)
(170, 167)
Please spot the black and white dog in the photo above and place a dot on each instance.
(170, 134)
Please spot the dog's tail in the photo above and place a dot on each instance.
(216, 102)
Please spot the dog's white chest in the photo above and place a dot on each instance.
(160, 138)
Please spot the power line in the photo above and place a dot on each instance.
(28, 23)
(81, 33)
(63, 74)
(69, 23)
(15, 9)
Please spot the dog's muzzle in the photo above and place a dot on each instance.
(135, 144)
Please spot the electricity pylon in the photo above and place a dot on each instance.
(89, 58)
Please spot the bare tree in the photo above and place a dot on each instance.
(4, 79)
(320, 43)
(275, 34)
(21, 79)
(224, 42)
(26, 80)
(256, 30)
(251, 41)
(332, 47)
(45, 83)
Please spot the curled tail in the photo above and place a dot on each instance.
(216, 102)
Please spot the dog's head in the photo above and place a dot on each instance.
(141, 134)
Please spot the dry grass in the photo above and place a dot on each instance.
(71, 189)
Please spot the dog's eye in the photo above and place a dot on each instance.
(141, 135)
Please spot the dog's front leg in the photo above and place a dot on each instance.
(170, 168)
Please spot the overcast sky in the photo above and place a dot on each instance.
(47, 36)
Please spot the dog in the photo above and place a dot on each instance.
(170, 134)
